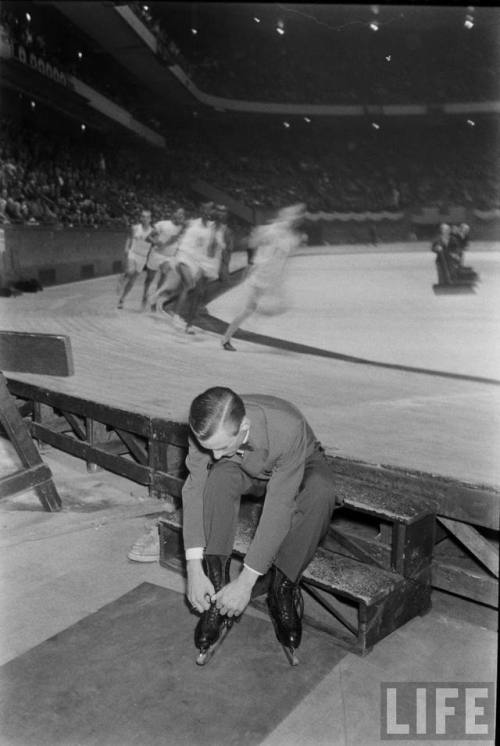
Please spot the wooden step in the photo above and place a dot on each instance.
(388, 506)
(349, 578)
(406, 526)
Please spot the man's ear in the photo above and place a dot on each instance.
(245, 424)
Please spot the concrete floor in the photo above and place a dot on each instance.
(58, 568)
(52, 564)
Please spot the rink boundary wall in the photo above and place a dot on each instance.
(55, 256)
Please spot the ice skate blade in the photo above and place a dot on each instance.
(206, 656)
(291, 657)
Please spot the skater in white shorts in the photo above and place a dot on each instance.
(137, 249)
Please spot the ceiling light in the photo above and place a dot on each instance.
(286, 125)
(257, 20)
(306, 119)
(194, 31)
(471, 123)
(28, 17)
(374, 26)
(375, 126)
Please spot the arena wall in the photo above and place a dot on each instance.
(54, 256)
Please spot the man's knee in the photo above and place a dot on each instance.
(320, 489)
(226, 478)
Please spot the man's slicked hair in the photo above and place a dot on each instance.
(216, 407)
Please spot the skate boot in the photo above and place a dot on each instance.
(213, 626)
(286, 607)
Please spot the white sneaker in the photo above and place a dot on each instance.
(147, 547)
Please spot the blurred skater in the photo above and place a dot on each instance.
(197, 260)
(164, 240)
(273, 244)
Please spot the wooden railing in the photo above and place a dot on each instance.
(151, 451)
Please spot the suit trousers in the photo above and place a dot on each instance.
(314, 506)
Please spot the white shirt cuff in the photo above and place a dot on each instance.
(194, 553)
(251, 569)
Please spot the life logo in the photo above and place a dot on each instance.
(456, 711)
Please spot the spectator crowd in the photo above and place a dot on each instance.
(60, 179)
(55, 179)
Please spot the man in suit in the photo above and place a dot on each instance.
(251, 444)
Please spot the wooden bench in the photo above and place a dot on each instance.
(355, 602)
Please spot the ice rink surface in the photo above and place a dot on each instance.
(372, 304)
(381, 306)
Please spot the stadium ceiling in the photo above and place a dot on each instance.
(311, 18)
(100, 22)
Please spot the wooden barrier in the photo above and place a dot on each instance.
(151, 451)
(49, 354)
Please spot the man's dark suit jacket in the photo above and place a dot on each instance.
(280, 442)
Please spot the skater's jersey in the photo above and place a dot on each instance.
(200, 248)
(139, 245)
(164, 232)
(279, 444)
(164, 248)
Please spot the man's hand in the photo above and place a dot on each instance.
(199, 587)
(235, 597)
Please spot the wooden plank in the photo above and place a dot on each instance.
(23, 480)
(165, 485)
(350, 578)
(136, 448)
(18, 434)
(475, 504)
(462, 582)
(370, 552)
(75, 425)
(45, 354)
(474, 542)
(384, 504)
(170, 431)
(117, 418)
(93, 455)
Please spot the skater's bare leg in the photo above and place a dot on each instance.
(249, 309)
(129, 281)
(188, 282)
(196, 299)
(150, 275)
(161, 288)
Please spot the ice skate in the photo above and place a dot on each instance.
(212, 627)
(286, 607)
